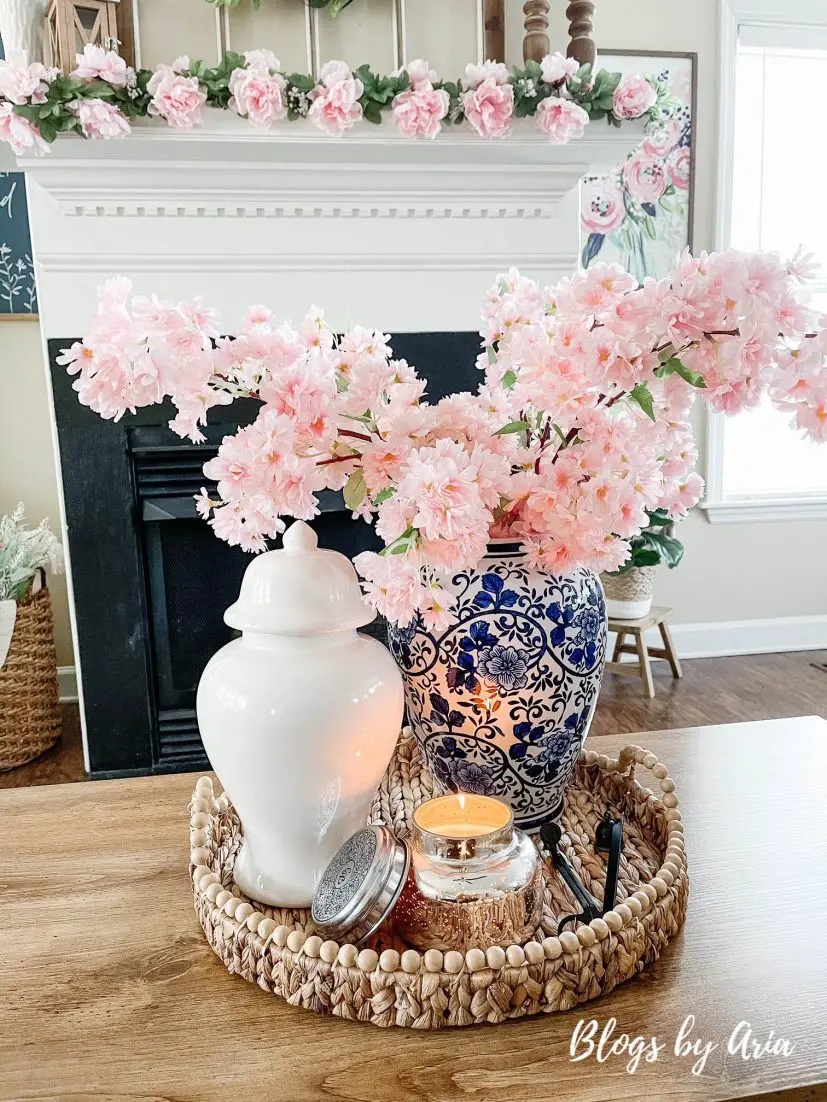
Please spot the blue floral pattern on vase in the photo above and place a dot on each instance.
(502, 700)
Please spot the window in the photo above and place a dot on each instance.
(758, 467)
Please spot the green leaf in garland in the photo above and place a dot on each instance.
(509, 379)
(302, 82)
(384, 495)
(642, 395)
(372, 110)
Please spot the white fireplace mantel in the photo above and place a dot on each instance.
(374, 227)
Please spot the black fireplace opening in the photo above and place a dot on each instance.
(151, 581)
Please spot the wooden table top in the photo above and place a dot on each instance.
(108, 990)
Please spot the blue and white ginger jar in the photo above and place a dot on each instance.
(501, 702)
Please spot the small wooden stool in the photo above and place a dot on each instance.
(656, 617)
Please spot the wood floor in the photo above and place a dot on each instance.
(712, 690)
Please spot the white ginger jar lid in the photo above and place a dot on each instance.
(300, 589)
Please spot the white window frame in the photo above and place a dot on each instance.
(733, 14)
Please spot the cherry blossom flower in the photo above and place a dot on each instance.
(579, 427)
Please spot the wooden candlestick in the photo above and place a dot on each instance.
(535, 40)
(580, 14)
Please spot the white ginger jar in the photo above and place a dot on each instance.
(299, 716)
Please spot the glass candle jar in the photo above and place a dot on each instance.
(474, 878)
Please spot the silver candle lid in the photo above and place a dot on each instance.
(360, 886)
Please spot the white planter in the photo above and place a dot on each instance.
(628, 610)
(299, 717)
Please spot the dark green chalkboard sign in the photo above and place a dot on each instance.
(18, 294)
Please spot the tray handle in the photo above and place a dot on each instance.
(626, 763)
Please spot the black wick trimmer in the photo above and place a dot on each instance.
(608, 839)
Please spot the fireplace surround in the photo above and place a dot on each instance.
(376, 228)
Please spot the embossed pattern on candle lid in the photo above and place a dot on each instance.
(360, 886)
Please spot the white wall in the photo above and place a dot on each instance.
(27, 469)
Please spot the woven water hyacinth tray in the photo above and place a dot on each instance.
(388, 983)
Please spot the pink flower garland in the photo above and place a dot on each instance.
(258, 91)
(580, 425)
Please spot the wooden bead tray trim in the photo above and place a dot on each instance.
(388, 983)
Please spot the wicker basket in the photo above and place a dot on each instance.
(388, 983)
(632, 585)
(29, 716)
(629, 594)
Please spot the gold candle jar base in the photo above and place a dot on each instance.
(474, 879)
(508, 918)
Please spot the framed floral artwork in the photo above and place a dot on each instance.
(18, 295)
(639, 214)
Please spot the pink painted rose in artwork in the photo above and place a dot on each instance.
(602, 207)
(633, 97)
(21, 83)
(679, 165)
(489, 108)
(99, 119)
(561, 119)
(258, 94)
(645, 177)
(95, 63)
(660, 138)
(176, 98)
(335, 107)
(21, 135)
